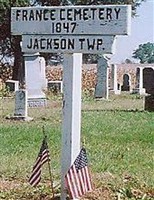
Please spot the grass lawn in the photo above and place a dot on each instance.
(119, 139)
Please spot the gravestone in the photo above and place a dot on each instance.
(126, 83)
(35, 80)
(12, 85)
(115, 86)
(139, 81)
(101, 89)
(20, 112)
(148, 84)
(55, 86)
(42, 66)
(20, 103)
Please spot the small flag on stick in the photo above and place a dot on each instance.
(42, 158)
(78, 180)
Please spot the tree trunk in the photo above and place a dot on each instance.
(18, 68)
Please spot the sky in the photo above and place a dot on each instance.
(142, 31)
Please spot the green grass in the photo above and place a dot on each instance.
(120, 142)
(119, 138)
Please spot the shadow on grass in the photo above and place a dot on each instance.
(58, 198)
(112, 110)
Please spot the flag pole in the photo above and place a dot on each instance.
(50, 173)
(83, 142)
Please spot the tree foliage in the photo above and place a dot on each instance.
(10, 45)
(145, 53)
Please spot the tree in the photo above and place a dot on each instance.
(145, 53)
(10, 45)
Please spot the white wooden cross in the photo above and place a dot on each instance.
(70, 29)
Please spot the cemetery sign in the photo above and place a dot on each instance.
(65, 44)
(74, 20)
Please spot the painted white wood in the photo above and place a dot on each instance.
(67, 44)
(71, 125)
(98, 19)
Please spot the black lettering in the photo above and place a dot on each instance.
(31, 16)
(30, 44)
(38, 15)
(81, 40)
(49, 44)
(117, 11)
(99, 43)
(24, 15)
(93, 13)
(70, 43)
(85, 14)
(77, 14)
(56, 43)
(101, 13)
(66, 27)
(41, 43)
(36, 44)
(69, 14)
(73, 24)
(52, 14)
(63, 43)
(45, 12)
(18, 14)
(61, 14)
(109, 13)
(91, 45)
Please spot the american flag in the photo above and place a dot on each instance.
(42, 158)
(78, 180)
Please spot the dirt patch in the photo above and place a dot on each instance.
(6, 185)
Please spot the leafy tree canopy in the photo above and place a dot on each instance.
(145, 53)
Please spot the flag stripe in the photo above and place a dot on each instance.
(36, 179)
(77, 179)
(88, 178)
(42, 158)
(81, 181)
(80, 189)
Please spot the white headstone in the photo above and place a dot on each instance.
(12, 85)
(43, 73)
(55, 86)
(35, 80)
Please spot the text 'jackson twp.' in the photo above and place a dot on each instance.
(65, 44)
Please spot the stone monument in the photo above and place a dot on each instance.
(35, 80)
(148, 84)
(21, 111)
(101, 89)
